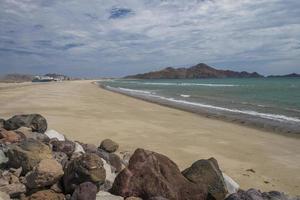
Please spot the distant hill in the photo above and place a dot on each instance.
(293, 75)
(16, 78)
(198, 71)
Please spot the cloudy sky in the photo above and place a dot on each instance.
(119, 37)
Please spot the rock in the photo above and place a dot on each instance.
(102, 195)
(85, 191)
(253, 194)
(150, 174)
(27, 154)
(47, 173)
(89, 148)
(60, 157)
(110, 175)
(66, 147)
(231, 185)
(14, 190)
(9, 136)
(4, 196)
(46, 195)
(208, 173)
(54, 134)
(125, 157)
(106, 186)
(15, 172)
(78, 148)
(86, 168)
(109, 145)
(112, 159)
(133, 198)
(34, 121)
(27, 132)
(57, 187)
(2, 121)
(3, 157)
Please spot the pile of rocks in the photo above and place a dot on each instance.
(41, 164)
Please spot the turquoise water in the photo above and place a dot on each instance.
(274, 99)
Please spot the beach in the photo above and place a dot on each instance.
(83, 111)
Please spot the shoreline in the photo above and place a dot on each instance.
(85, 112)
(250, 122)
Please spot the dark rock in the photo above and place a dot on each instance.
(253, 194)
(89, 148)
(67, 147)
(46, 173)
(86, 168)
(28, 133)
(34, 121)
(46, 195)
(208, 173)
(60, 157)
(109, 145)
(150, 174)
(2, 121)
(85, 191)
(112, 159)
(9, 136)
(27, 154)
(106, 186)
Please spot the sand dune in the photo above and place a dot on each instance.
(85, 112)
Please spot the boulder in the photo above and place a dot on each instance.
(57, 187)
(102, 195)
(231, 185)
(150, 174)
(253, 194)
(208, 173)
(133, 198)
(60, 157)
(14, 190)
(78, 148)
(46, 195)
(54, 134)
(27, 154)
(109, 145)
(110, 175)
(9, 136)
(34, 121)
(85, 191)
(89, 148)
(67, 147)
(112, 159)
(27, 133)
(86, 168)
(3, 158)
(46, 173)
(2, 121)
(4, 196)
(126, 157)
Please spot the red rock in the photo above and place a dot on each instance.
(150, 174)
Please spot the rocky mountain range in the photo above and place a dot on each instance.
(198, 71)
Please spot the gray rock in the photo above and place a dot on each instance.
(3, 157)
(29, 134)
(67, 147)
(34, 121)
(60, 157)
(208, 173)
(109, 145)
(112, 159)
(2, 121)
(102, 195)
(4, 196)
(253, 194)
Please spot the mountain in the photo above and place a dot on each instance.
(293, 75)
(198, 71)
(16, 78)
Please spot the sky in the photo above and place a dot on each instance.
(114, 38)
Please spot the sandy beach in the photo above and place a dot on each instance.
(83, 111)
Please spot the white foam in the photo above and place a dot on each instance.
(191, 84)
(275, 117)
(185, 95)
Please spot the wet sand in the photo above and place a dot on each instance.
(85, 112)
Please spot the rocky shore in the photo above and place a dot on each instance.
(39, 163)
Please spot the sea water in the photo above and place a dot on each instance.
(265, 102)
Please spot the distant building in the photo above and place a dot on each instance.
(42, 79)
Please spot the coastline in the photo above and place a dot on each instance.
(85, 112)
(249, 121)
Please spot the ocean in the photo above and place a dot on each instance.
(269, 103)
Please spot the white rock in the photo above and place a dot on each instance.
(54, 134)
(4, 196)
(110, 176)
(107, 196)
(78, 148)
(231, 185)
(3, 158)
